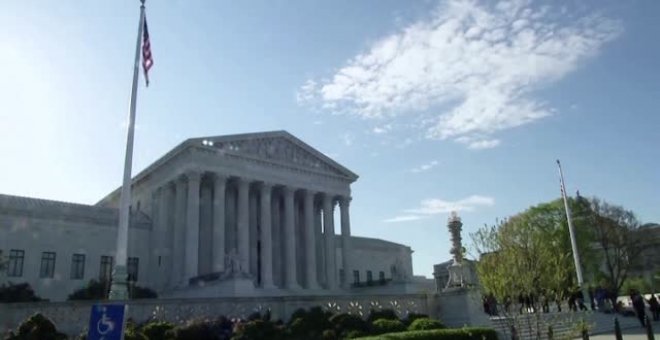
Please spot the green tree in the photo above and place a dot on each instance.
(530, 254)
(618, 240)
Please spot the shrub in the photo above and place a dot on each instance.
(98, 290)
(354, 334)
(414, 316)
(36, 327)
(329, 334)
(468, 333)
(258, 330)
(156, 329)
(137, 292)
(21, 292)
(344, 323)
(425, 324)
(94, 290)
(382, 326)
(308, 324)
(382, 314)
(132, 332)
(193, 330)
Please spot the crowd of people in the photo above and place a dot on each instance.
(599, 299)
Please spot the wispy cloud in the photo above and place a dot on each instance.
(424, 167)
(348, 139)
(404, 218)
(434, 206)
(382, 129)
(470, 68)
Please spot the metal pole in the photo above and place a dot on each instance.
(119, 286)
(571, 230)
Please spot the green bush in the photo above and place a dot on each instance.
(329, 334)
(94, 290)
(36, 327)
(156, 329)
(414, 316)
(382, 314)
(193, 330)
(382, 326)
(137, 292)
(354, 334)
(257, 330)
(98, 290)
(344, 323)
(21, 292)
(467, 333)
(308, 324)
(425, 324)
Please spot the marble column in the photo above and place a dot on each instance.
(192, 225)
(344, 204)
(243, 225)
(179, 232)
(163, 251)
(219, 191)
(310, 240)
(329, 235)
(290, 281)
(266, 237)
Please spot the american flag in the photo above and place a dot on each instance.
(147, 60)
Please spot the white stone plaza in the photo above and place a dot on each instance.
(238, 215)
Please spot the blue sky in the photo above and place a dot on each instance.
(438, 106)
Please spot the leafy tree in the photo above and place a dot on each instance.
(529, 256)
(619, 241)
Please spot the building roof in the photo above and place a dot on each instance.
(36, 207)
(231, 143)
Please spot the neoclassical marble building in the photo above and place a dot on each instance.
(227, 215)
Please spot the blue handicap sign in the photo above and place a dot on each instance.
(106, 322)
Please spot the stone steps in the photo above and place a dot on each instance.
(564, 324)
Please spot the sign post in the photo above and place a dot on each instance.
(106, 322)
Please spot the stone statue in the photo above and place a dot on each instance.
(233, 262)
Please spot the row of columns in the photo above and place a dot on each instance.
(186, 231)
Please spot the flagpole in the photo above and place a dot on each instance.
(119, 286)
(571, 230)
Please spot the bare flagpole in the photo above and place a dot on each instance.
(571, 230)
(119, 286)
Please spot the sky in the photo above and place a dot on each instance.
(439, 106)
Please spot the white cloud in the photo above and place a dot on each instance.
(382, 129)
(435, 206)
(424, 167)
(348, 139)
(404, 218)
(473, 66)
(478, 143)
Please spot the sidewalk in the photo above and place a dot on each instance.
(628, 334)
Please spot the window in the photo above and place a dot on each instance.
(15, 265)
(370, 277)
(132, 268)
(105, 272)
(341, 275)
(381, 276)
(47, 264)
(356, 276)
(78, 266)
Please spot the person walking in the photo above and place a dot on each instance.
(638, 306)
(655, 307)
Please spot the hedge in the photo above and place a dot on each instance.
(467, 333)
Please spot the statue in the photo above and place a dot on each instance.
(233, 263)
(459, 274)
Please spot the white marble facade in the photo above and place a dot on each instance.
(262, 207)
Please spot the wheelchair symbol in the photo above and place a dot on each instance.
(105, 325)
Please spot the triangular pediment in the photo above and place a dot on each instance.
(279, 147)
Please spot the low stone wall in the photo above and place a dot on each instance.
(73, 317)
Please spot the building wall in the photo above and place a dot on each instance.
(66, 237)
